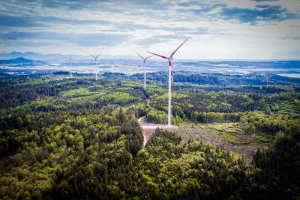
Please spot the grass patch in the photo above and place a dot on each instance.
(174, 95)
(78, 92)
(119, 96)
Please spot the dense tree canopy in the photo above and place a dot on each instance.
(80, 139)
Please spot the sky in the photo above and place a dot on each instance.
(217, 29)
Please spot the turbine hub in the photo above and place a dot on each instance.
(170, 58)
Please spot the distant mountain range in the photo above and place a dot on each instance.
(21, 60)
(29, 55)
(38, 56)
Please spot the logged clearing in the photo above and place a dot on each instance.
(226, 135)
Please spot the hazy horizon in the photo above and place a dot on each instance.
(219, 29)
(137, 58)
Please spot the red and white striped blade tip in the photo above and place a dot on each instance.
(158, 55)
(148, 57)
(139, 55)
(99, 55)
(179, 47)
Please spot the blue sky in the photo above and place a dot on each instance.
(218, 29)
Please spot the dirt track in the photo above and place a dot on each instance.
(149, 129)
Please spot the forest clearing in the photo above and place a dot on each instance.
(149, 129)
(227, 136)
(78, 138)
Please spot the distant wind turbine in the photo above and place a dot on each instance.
(144, 69)
(70, 57)
(96, 63)
(170, 77)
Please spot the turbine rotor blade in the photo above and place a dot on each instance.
(158, 55)
(148, 57)
(170, 64)
(178, 47)
(139, 55)
(98, 55)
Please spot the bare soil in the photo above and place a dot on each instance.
(149, 129)
(213, 137)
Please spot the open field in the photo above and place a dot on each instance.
(228, 136)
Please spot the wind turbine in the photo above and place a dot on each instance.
(144, 69)
(96, 63)
(170, 77)
(70, 62)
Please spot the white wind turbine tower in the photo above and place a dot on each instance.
(144, 69)
(70, 57)
(170, 77)
(96, 63)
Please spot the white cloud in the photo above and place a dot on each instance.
(155, 26)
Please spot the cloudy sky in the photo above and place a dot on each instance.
(218, 29)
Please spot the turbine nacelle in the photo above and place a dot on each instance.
(96, 62)
(144, 59)
(170, 78)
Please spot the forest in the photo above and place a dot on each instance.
(78, 138)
